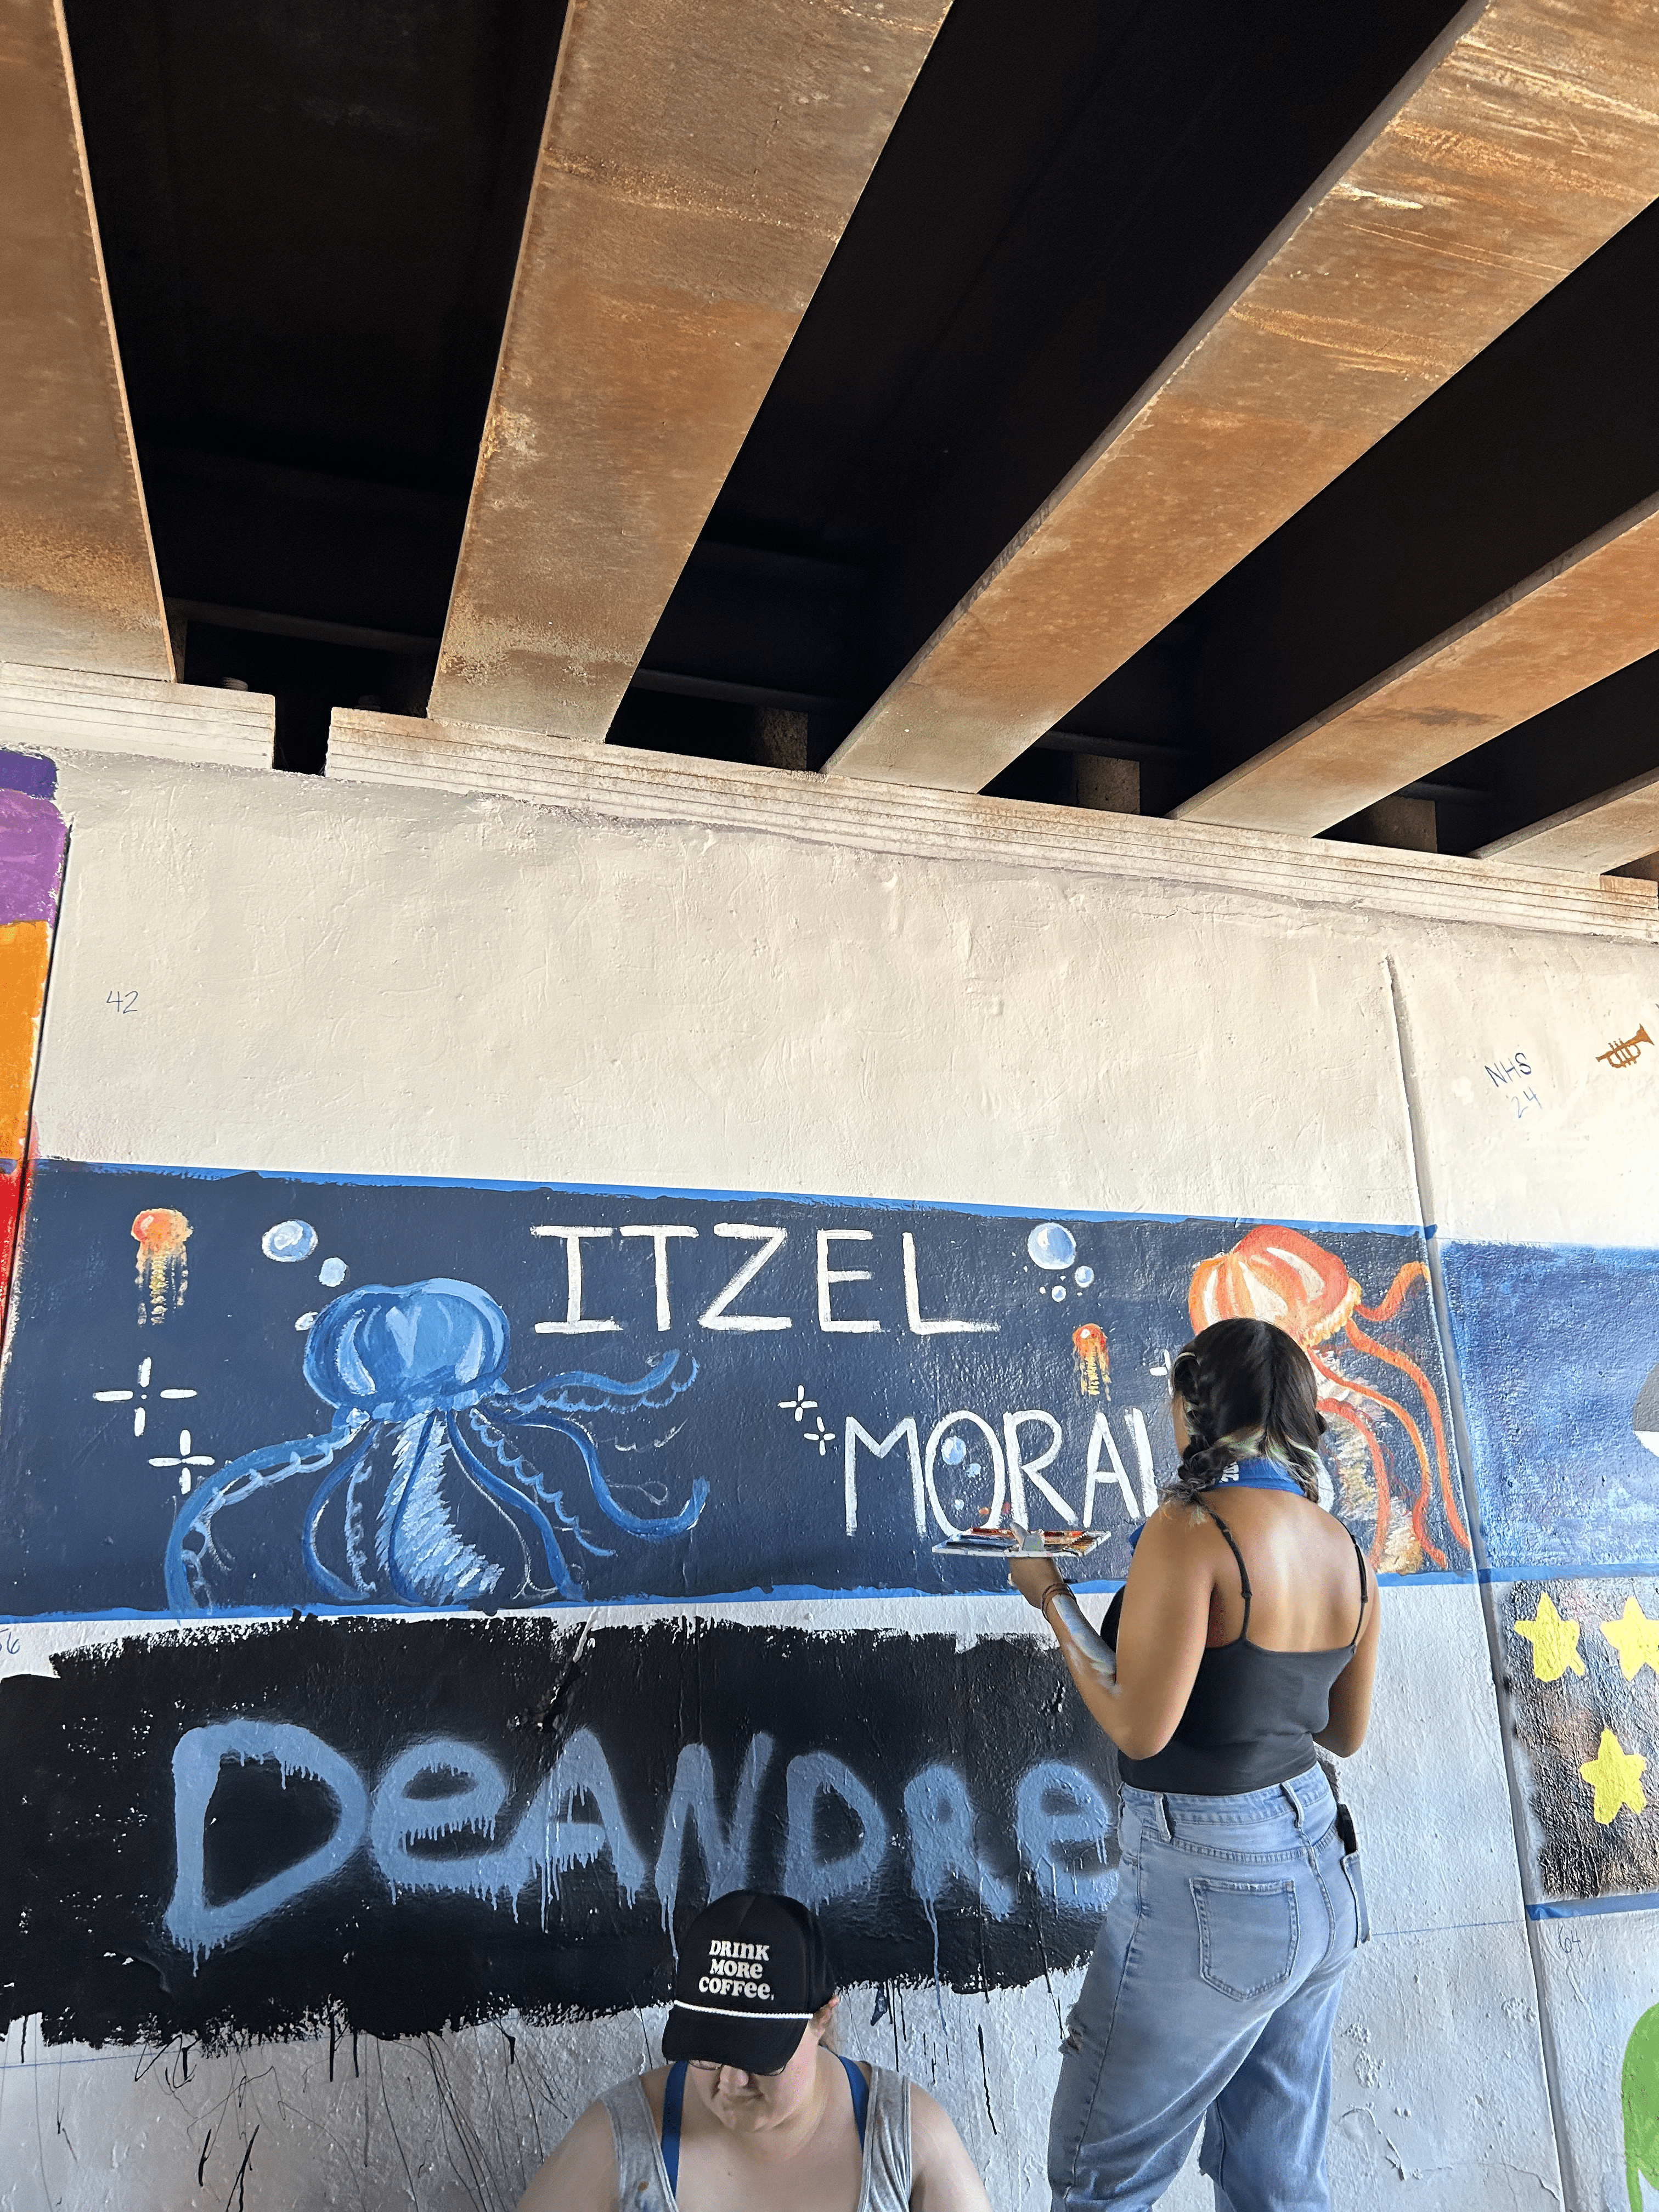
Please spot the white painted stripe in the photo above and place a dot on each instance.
(739, 2012)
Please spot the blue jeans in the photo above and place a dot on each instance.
(1212, 1991)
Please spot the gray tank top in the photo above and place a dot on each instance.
(642, 2178)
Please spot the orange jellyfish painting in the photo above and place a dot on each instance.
(1279, 1275)
(1093, 1360)
(163, 1276)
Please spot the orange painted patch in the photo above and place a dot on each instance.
(25, 948)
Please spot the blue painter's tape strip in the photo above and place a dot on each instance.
(785, 1593)
(790, 1593)
(1032, 1213)
(1579, 1908)
(1565, 1570)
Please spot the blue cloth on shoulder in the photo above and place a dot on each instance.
(1246, 1474)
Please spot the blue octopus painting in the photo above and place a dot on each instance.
(431, 1489)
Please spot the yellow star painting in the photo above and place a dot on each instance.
(1554, 1643)
(1616, 1775)
(1634, 1639)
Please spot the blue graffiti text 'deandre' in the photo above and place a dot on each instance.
(428, 1490)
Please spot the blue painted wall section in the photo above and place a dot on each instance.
(1558, 1347)
(250, 1393)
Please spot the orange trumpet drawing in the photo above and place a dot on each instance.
(164, 1277)
(1093, 1360)
(1281, 1276)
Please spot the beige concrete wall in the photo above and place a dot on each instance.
(372, 981)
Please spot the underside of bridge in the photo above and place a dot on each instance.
(1181, 409)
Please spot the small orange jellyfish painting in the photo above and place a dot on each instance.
(1278, 1274)
(163, 1275)
(1093, 1360)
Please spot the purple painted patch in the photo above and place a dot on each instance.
(32, 837)
(30, 772)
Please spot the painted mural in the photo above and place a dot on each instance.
(1583, 1682)
(402, 1824)
(241, 1393)
(1639, 2096)
(1559, 1349)
(33, 838)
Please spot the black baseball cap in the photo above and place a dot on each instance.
(752, 1972)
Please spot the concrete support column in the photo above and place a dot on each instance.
(1409, 825)
(781, 737)
(1111, 785)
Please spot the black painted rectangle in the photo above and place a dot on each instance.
(402, 1824)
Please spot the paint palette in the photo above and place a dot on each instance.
(1032, 1543)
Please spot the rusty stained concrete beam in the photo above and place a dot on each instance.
(698, 168)
(1587, 613)
(1524, 139)
(78, 585)
(1609, 831)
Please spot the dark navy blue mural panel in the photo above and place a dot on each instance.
(251, 1393)
(1559, 1349)
(389, 1826)
(1579, 1662)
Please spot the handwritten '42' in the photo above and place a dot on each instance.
(123, 1001)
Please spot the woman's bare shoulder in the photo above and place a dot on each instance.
(943, 2178)
(581, 2174)
(1176, 1535)
(1172, 1522)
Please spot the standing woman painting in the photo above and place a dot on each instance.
(1245, 1636)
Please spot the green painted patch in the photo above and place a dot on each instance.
(1640, 2092)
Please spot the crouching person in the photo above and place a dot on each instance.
(754, 2113)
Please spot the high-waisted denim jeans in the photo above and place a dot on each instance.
(1212, 1991)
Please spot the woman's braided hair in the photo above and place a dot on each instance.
(1248, 1390)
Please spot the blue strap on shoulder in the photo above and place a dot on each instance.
(673, 2098)
(861, 2089)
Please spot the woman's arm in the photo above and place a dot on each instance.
(943, 2178)
(1350, 1692)
(1161, 1635)
(581, 2174)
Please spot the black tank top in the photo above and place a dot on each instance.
(1253, 1714)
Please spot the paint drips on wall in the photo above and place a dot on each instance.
(163, 1271)
(243, 1836)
